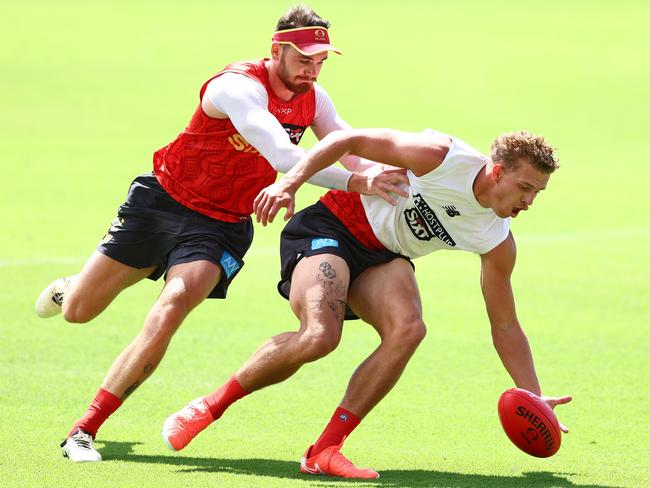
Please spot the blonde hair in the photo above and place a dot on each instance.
(511, 148)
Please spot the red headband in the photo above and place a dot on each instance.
(306, 40)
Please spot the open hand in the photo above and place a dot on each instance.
(382, 184)
(270, 200)
(555, 401)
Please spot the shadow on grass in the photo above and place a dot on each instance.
(273, 468)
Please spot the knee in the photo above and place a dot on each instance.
(413, 331)
(164, 318)
(76, 311)
(315, 344)
(408, 334)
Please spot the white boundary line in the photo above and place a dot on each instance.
(586, 236)
(4, 263)
(7, 263)
(580, 236)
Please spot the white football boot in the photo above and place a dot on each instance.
(50, 300)
(79, 448)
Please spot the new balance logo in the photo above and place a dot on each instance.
(451, 210)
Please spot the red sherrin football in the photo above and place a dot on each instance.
(529, 422)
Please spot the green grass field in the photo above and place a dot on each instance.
(89, 90)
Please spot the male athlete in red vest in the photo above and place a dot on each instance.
(190, 218)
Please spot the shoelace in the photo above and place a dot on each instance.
(57, 297)
(82, 440)
(189, 414)
(343, 462)
(188, 417)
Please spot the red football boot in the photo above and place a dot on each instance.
(180, 428)
(331, 462)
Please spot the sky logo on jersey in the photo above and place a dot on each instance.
(229, 264)
(424, 223)
(321, 242)
(295, 132)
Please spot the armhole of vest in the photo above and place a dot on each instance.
(315, 106)
(247, 75)
(205, 87)
(438, 171)
(507, 233)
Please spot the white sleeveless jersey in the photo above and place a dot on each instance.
(441, 211)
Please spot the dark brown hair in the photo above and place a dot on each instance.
(300, 16)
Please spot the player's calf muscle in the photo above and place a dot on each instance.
(80, 311)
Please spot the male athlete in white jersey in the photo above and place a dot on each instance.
(355, 250)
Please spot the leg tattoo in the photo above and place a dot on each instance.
(130, 390)
(147, 371)
(333, 292)
(327, 270)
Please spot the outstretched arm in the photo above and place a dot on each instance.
(328, 120)
(245, 102)
(420, 152)
(507, 335)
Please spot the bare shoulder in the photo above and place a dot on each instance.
(440, 143)
(433, 148)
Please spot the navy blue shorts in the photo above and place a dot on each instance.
(153, 229)
(316, 230)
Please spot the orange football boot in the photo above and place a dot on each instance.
(331, 462)
(180, 428)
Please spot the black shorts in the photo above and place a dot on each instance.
(153, 229)
(316, 230)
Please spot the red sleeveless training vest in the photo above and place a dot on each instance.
(212, 169)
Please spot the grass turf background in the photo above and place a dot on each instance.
(89, 90)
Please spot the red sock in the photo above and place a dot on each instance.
(104, 404)
(219, 400)
(341, 425)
